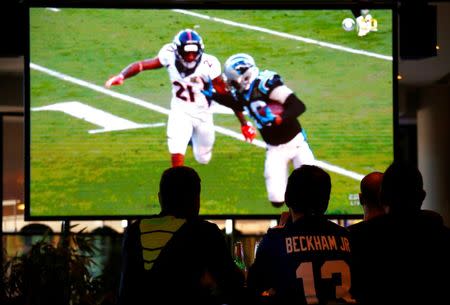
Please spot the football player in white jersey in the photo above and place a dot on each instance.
(275, 108)
(190, 117)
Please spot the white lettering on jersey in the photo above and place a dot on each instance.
(316, 243)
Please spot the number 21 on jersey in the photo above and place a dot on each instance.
(184, 93)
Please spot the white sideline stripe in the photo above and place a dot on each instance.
(100, 89)
(339, 170)
(277, 33)
(159, 109)
(127, 128)
(285, 35)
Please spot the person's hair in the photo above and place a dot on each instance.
(402, 188)
(370, 189)
(308, 190)
(179, 191)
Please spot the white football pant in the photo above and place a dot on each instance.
(278, 161)
(182, 127)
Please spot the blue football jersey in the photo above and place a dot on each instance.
(306, 262)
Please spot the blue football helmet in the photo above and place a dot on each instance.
(240, 71)
(189, 48)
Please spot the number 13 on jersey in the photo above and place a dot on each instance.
(327, 269)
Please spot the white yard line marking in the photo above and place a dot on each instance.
(98, 117)
(162, 110)
(100, 89)
(277, 33)
(339, 170)
(285, 35)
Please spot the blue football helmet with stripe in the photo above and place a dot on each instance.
(240, 71)
(189, 48)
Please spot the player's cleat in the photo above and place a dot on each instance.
(277, 204)
(362, 27)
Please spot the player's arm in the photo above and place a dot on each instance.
(133, 69)
(247, 128)
(227, 100)
(293, 106)
(221, 93)
(217, 91)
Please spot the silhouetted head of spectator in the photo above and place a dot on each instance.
(370, 188)
(308, 190)
(369, 195)
(402, 189)
(179, 192)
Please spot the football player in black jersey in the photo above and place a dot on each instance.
(307, 261)
(275, 109)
